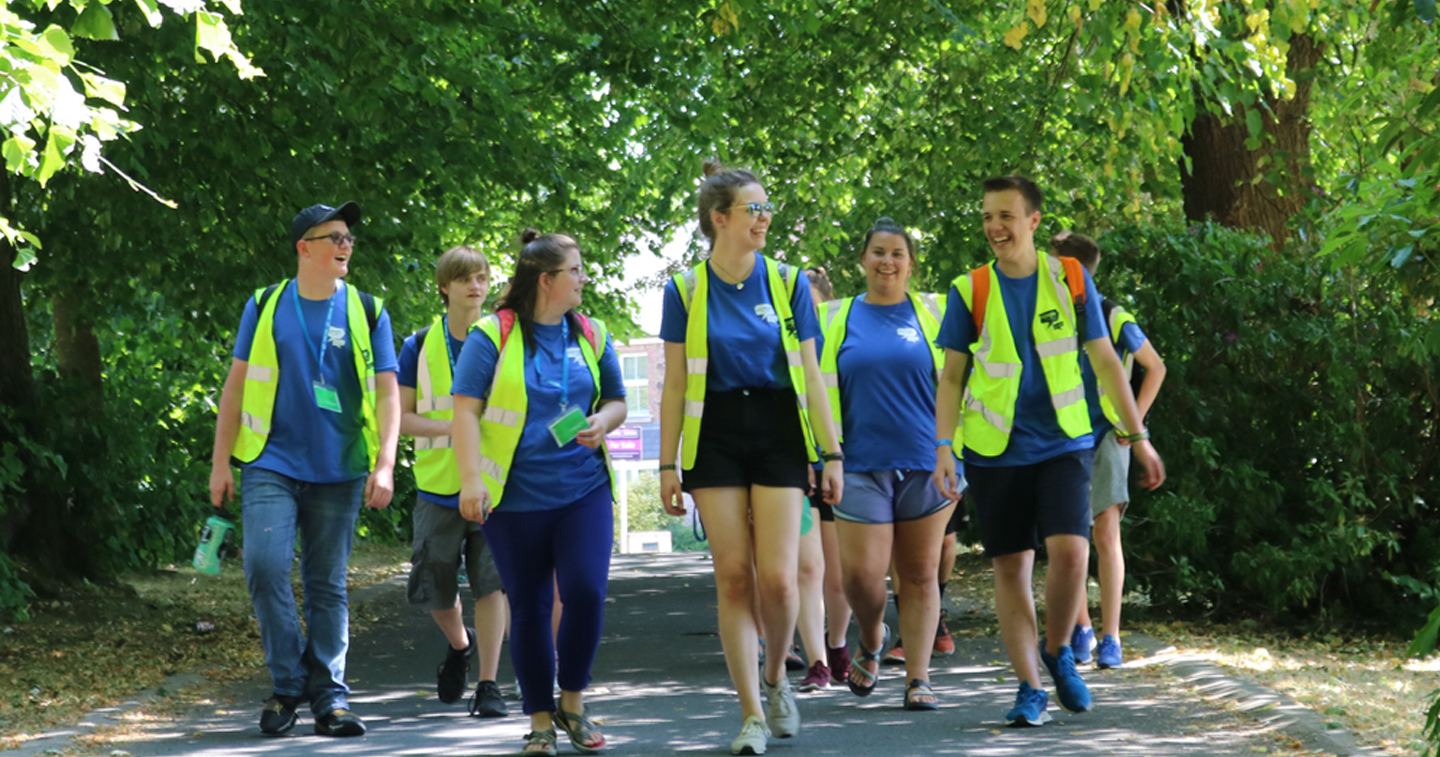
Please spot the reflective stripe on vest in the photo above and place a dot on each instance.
(694, 289)
(435, 468)
(503, 420)
(994, 385)
(262, 375)
(835, 315)
(1118, 319)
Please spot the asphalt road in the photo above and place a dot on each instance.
(660, 687)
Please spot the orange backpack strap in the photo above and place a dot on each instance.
(1075, 279)
(979, 296)
(589, 331)
(507, 323)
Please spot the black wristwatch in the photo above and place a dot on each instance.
(833, 457)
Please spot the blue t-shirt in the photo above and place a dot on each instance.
(307, 443)
(543, 476)
(1131, 340)
(887, 389)
(409, 369)
(1035, 434)
(743, 329)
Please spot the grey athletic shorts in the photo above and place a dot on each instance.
(889, 496)
(441, 537)
(1110, 478)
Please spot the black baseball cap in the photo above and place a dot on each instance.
(317, 214)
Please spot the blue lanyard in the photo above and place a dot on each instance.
(324, 334)
(449, 351)
(564, 385)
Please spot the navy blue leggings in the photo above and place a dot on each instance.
(572, 544)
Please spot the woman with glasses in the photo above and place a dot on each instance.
(742, 392)
(881, 365)
(536, 391)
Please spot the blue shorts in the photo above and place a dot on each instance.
(889, 496)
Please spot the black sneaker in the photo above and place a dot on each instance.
(453, 675)
(339, 722)
(487, 702)
(279, 714)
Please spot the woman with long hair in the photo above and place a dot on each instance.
(536, 391)
(743, 391)
(881, 366)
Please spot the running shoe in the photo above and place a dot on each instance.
(1029, 709)
(818, 677)
(488, 702)
(896, 655)
(279, 714)
(339, 722)
(839, 660)
(753, 737)
(452, 676)
(1070, 689)
(780, 709)
(1108, 655)
(1082, 643)
(792, 660)
(944, 644)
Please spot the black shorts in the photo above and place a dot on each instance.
(1018, 507)
(958, 516)
(817, 501)
(750, 437)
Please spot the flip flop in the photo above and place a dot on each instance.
(917, 689)
(865, 656)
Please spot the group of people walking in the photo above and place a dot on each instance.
(864, 403)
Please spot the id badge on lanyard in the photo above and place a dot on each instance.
(326, 397)
(571, 420)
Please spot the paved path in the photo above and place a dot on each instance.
(660, 687)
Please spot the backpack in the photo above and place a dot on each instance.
(1074, 280)
(367, 301)
(507, 324)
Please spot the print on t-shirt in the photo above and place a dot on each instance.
(767, 313)
(336, 336)
(908, 334)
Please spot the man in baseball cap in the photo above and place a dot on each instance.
(311, 414)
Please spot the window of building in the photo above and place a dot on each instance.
(637, 386)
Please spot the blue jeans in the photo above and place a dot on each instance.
(273, 508)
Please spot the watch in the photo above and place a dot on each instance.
(833, 457)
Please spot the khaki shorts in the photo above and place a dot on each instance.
(441, 537)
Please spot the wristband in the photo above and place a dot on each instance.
(833, 457)
(671, 466)
(1139, 436)
(944, 443)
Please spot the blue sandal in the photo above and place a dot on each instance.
(864, 657)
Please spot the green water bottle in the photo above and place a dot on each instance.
(214, 544)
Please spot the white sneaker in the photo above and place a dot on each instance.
(752, 739)
(780, 708)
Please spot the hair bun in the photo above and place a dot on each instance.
(712, 166)
(528, 235)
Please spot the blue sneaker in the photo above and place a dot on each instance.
(1082, 642)
(1070, 689)
(1029, 707)
(1108, 655)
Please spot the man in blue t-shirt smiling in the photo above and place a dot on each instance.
(311, 412)
(1027, 435)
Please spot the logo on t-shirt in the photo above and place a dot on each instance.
(573, 353)
(336, 336)
(767, 313)
(908, 334)
(1051, 318)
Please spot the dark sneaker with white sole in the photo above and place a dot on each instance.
(453, 675)
(279, 714)
(339, 722)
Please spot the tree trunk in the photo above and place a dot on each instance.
(17, 385)
(1259, 189)
(77, 351)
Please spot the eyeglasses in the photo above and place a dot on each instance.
(756, 208)
(574, 270)
(336, 238)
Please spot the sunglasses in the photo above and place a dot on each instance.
(756, 208)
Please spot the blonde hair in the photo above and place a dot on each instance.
(458, 263)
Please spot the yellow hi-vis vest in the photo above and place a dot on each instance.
(835, 315)
(435, 468)
(994, 385)
(694, 288)
(1117, 319)
(262, 376)
(503, 421)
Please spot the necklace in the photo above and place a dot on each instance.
(727, 276)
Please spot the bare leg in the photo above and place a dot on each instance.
(1064, 587)
(777, 557)
(917, 555)
(490, 621)
(865, 550)
(726, 514)
(1112, 568)
(837, 608)
(452, 623)
(1015, 609)
(810, 580)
